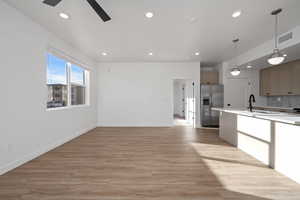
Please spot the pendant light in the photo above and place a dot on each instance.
(276, 57)
(235, 71)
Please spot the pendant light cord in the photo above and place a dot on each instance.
(276, 31)
(236, 50)
(276, 13)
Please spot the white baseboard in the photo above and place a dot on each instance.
(12, 165)
(135, 125)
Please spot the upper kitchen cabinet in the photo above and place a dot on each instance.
(209, 77)
(296, 78)
(285, 79)
(269, 87)
(281, 80)
(265, 82)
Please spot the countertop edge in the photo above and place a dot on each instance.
(271, 118)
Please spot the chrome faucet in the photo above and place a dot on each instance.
(251, 100)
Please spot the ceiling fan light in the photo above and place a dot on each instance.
(276, 58)
(235, 72)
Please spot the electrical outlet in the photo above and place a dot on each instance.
(8, 147)
(278, 99)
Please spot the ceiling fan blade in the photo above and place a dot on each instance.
(51, 2)
(102, 14)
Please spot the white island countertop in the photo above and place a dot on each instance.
(288, 118)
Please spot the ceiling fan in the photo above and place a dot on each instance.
(93, 3)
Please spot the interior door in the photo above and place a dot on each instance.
(183, 105)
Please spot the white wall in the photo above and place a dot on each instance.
(141, 94)
(238, 89)
(27, 129)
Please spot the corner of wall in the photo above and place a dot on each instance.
(42, 150)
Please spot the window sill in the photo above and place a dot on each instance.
(67, 107)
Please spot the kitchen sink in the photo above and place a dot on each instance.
(265, 112)
(262, 113)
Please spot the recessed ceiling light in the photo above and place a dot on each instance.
(104, 54)
(150, 54)
(197, 53)
(236, 14)
(149, 14)
(284, 55)
(193, 19)
(64, 15)
(249, 66)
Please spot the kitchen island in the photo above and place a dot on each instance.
(271, 137)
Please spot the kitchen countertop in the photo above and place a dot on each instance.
(273, 116)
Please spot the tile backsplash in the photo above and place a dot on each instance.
(284, 101)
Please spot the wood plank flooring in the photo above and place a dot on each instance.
(177, 163)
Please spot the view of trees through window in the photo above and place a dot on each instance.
(66, 83)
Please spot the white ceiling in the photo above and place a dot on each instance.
(171, 34)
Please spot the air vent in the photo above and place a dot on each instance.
(285, 37)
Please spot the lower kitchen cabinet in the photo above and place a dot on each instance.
(228, 124)
(274, 143)
(255, 137)
(287, 150)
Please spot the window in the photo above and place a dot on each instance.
(57, 82)
(66, 82)
(77, 85)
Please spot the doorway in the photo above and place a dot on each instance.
(184, 103)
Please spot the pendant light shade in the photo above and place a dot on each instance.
(235, 72)
(276, 57)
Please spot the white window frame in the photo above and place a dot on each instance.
(86, 84)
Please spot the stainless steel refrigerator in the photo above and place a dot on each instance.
(211, 96)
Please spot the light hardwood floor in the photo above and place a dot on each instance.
(177, 163)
